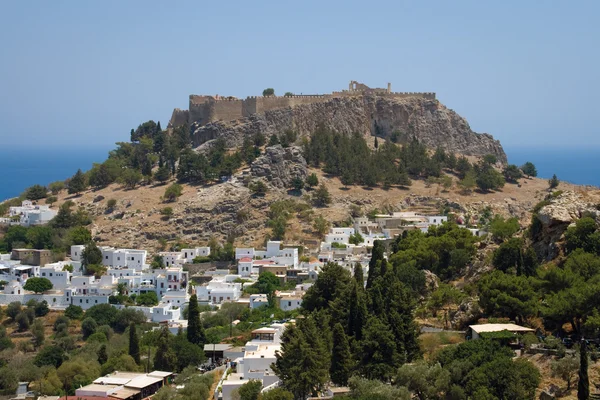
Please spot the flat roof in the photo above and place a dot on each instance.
(143, 381)
(98, 387)
(264, 330)
(499, 327)
(111, 380)
(217, 347)
(161, 374)
(124, 393)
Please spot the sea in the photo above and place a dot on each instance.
(21, 168)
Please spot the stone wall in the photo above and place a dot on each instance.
(178, 118)
(226, 110)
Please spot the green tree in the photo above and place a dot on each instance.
(566, 369)
(173, 192)
(583, 387)
(321, 225)
(50, 355)
(469, 182)
(268, 92)
(77, 372)
(38, 285)
(88, 327)
(56, 187)
(13, 309)
(186, 353)
(195, 330)
(91, 255)
(505, 295)
(134, 343)
(250, 390)
(102, 355)
(302, 362)
(356, 238)
(553, 182)
(147, 299)
(130, 178)
(276, 394)
(163, 174)
(80, 235)
(297, 183)
(23, 321)
(36, 192)
(51, 200)
(321, 196)
(258, 187)
(341, 357)
(529, 169)
(37, 329)
(312, 180)
(378, 357)
(425, 381)
(164, 360)
(512, 173)
(377, 254)
(488, 178)
(502, 229)
(77, 183)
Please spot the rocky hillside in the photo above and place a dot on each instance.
(432, 123)
(229, 209)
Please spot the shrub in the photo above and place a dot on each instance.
(110, 204)
(268, 92)
(166, 212)
(173, 192)
(74, 312)
(258, 187)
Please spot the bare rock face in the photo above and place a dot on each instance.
(556, 217)
(279, 166)
(427, 120)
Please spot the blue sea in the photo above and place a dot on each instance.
(22, 168)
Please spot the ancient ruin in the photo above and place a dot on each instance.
(204, 109)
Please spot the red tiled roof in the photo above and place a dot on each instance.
(245, 259)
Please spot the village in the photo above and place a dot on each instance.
(179, 274)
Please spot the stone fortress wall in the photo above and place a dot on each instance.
(207, 109)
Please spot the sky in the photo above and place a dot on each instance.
(77, 74)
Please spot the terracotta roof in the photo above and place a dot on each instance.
(245, 259)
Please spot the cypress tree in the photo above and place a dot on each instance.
(583, 387)
(376, 255)
(358, 275)
(357, 311)
(164, 360)
(102, 356)
(77, 183)
(341, 358)
(195, 330)
(134, 343)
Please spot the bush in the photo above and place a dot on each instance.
(166, 212)
(88, 327)
(74, 312)
(13, 309)
(553, 182)
(258, 188)
(51, 200)
(110, 204)
(312, 180)
(173, 192)
(321, 196)
(268, 92)
(56, 187)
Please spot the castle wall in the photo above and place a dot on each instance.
(178, 118)
(227, 110)
(258, 104)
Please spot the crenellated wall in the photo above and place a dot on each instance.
(207, 109)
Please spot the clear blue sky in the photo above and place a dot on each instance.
(82, 73)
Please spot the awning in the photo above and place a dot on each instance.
(22, 268)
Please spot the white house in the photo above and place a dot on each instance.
(188, 255)
(30, 214)
(218, 290)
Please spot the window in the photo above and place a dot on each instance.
(118, 258)
(106, 257)
(50, 273)
(43, 274)
(80, 301)
(87, 301)
(289, 303)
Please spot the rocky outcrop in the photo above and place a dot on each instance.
(279, 166)
(427, 120)
(554, 219)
